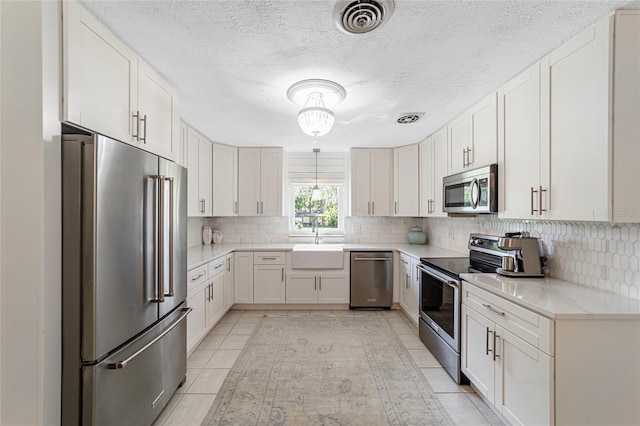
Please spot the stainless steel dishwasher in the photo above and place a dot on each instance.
(371, 279)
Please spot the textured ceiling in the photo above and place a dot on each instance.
(232, 61)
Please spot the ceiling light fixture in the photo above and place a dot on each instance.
(315, 192)
(315, 96)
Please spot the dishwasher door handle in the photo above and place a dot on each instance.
(359, 259)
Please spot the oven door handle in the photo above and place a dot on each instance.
(450, 283)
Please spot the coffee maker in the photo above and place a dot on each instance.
(525, 258)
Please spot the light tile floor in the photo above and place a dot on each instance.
(209, 364)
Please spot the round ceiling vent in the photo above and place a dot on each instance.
(408, 118)
(361, 16)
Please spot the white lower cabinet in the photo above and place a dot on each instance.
(215, 300)
(196, 321)
(229, 287)
(243, 276)
(513, 375)
(268, 284)
(317, 288)
(409, 286)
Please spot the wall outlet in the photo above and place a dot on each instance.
(451, 233)
(356, 229)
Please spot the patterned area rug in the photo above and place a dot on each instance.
(325, 371)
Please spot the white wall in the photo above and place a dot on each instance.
(30, 336)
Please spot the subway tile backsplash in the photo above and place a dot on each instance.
(602, 255)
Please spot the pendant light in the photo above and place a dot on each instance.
(315, 192)
(316, 97)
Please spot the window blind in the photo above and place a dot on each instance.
(331, 167)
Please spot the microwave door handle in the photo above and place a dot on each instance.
(474, 199)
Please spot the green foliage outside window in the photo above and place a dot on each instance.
(307, 210)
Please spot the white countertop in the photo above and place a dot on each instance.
(201, 254)
(557, 299)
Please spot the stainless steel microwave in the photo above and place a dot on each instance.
(473, 191)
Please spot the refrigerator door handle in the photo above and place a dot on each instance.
(160, 233)
(171, 219)
(119, 365)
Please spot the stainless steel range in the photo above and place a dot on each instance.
(440, 303)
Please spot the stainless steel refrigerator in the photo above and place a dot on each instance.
(123, 282)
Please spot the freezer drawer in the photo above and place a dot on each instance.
(133, 385)
(371, 279)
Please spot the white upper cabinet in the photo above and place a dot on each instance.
(483, 128)
(159, 127)
(225, 180)
(473, 137)
(99, 76)
(406, 181)
(433, 168)
(522, 148)
(198, 174)
(371, 181)
(108, 89)
(458, 144)
(260, 181)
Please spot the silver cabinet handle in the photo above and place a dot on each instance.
(202, 205)
(532, 192)
(369, 207)
(235, 207)
(395, 208)
(200, 275)
(495, 349)
(136, 115)
(257, 207)
(218, 266)
(469, 157)
(404, 261)
(119, 365)
(492, 309)
(320, 283)
(144, 139)
(267, 258)
(487, 350)
(464, 164)
(373, 207)
(540, 191)
(261, 207)
(315, 283)
(171, 252)
(228, 264)
(282, 274)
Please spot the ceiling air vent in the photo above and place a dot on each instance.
(361, 16)
(409, 117)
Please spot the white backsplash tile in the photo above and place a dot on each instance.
(601, 255)
(595, 254)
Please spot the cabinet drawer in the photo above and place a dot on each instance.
(197, 276)
(268, 258)
(522, 322)
(405, 262)
(217, 266)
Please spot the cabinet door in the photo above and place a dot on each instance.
(243, 277)
(458, 144)
(194, 203)
(520, 154)
(426, 176)
(204, 175)
(215, 305)
(406, 181)
(302, 288)
(225, 180)
(268, 284)
(182, 148)
(483, 128)
(360, 182)
(405, 290)
(333, 289)
(415, 290)
(381, 181)
(196, 321)
(158, 106)
(524, 381)
(579, 79)
(271, 181)
(477, 351)
(99, 76)
(229, 285)
(440, 144)
(248, 181)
